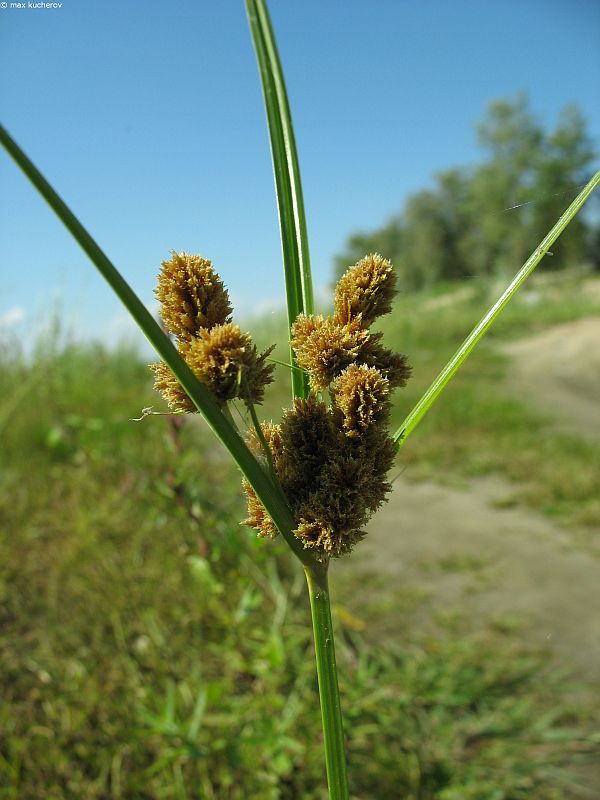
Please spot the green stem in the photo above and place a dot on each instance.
(272, 500)
(226, 411)
(288, 186)
(329, 693)
(261, 438)
(431, 395)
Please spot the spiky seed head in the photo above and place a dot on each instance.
(227, 362)
(319, 535)
(316, 535)
(258, 518)
(332, 490)
(308, 437)
(361, 394)
(324, 348)
(173, 392)
(192, 296)
(307, 432)
(365, 291)
(393, 366)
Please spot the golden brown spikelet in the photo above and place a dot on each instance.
(324, 348)
(308, 437)
(365, 291)
(361, 394)
(333, 482)
(258, 517)
(329, 543)
(393, 366)
(351, 486)
(227, 362)
(192, 296)
(167, 384)
(272, 434)
(323, 536)
(331, 461)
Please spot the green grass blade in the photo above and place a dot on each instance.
(329, 693)
(202, 398)
(290, 203)
(436, 388)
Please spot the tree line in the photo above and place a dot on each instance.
(486, 219)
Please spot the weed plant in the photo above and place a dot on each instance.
(150, 648)
(317, 478)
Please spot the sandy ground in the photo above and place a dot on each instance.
(489, 565)
(463, 554)
(559, 370)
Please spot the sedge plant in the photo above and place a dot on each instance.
(317, 476)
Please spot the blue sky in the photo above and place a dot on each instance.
(147, 117)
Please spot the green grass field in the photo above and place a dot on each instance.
(151, 647)
(481, 424)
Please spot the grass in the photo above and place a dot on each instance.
(481, 426)
(152, 648)
(67, 440)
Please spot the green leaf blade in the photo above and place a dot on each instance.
(200, 395)
(463, 352)
(290, 202)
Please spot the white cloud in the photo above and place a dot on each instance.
(12, 317)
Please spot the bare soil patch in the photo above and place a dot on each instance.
(462, 553)
(559, 371)
(487, 565)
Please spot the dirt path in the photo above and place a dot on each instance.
(559, 370)
(492, 566)
(441, 559)
(460, 553)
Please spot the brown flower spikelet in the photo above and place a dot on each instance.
(258, 518)
(324, 348)
(361, 395)
(308, 436)
(393, 366)
(332, 481)
(167, 384)
(333, 462)
(365, 291)
(191, 295)
(351, 487)
(225, 360)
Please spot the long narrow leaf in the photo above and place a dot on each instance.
(436, 388)
(202, 398)
(290, 203)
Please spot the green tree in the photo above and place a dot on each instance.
(482, 220)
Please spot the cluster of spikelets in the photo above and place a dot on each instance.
(332, 460)
(195, 308)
